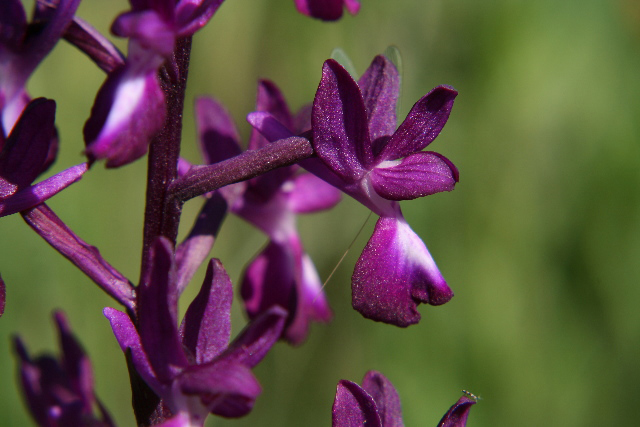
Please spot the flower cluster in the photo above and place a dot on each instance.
(346, 140)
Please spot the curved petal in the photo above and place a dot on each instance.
(394, 274)
(129, 340)
(339, 124)
(386, 398)
(327, 10)
(417, 175)
(422, 125)
(354, 407)
(38, 193)
(227, 389)
(380, 86)
(217, 133)
(256, 339)
(457, 415)
(157, 314)
(206, 326)
(312, 194)
(128, 111)
(270, 99)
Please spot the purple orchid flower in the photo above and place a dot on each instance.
(60, 392)
(282, 274)
(376, 404)
(327, 10)
(130, 108)
(361, 152)
(23, 46)
(192, 368)
(26, 154)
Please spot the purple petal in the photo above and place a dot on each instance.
(268, 126)
(129, 340)
(422, 125)
(75, 363)
(312, 194)
(90, 41)
(354, 407)
(256, 339)
(128, 111)
(270, 99)
(353, 6)
(26, 151)
(327, 10)
(417, 175)
(217, 134)
(3, 296)
(457, 415)
(191, 253)
(380, 86)
(157, 314)
(38, 193)
(13, 23)
(148, 29)
(191, 16)
(206, 326)
(386, 398)
(339, 123)
(394, 274)
(226, 388)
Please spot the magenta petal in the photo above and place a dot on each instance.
(417, 175)
(38, 193)
(270, 99)
(217, 133)
(422, 125)
(312, 194)
(256, 339)
(129, 340)
(354, 407)
(149, 30)
(206, 326)
(96, 46)
(386, 398)
(457, 415)
(339, 123)
(394, 274)
(380, 86)
(227, 389)
(157, 314)
(268, 126)
(128, 111)
(26, 150)
(327, 10)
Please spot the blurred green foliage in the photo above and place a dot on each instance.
(539, 241)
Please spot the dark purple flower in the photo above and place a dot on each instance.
(192, 367)
(361, 152)
(130, 108)
(23, 45)
(26, 154)
(376, 404)
(59, 392)
(327, 10)
(282, 274)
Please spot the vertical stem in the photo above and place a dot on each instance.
(162, 213)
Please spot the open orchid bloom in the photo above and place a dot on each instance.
(59, 392)
(130, 109)
(26, 154)
(282, 274)
(376, 404)
(327, 10)
(361, 152)
(192, 368)
(23, 45)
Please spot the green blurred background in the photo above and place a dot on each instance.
(539, 241)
